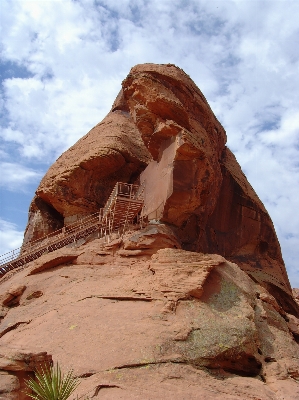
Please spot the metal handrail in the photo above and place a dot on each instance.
(126, 190)
(78, 229)
(6, 257)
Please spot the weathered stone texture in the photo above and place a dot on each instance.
(123, 320)
(161, 124)
(82, 178)
(199, 293)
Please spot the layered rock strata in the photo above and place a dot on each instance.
(81, 180)
(16, 367)
(162, 127)
(139, 317)
(194, 182)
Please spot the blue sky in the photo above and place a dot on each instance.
(62, 63)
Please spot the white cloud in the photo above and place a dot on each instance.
(242, 55)
(10, 237)
(15, 176)
(291, 250)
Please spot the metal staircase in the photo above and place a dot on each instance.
(123, 205)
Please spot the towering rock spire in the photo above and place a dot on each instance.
(161, 126)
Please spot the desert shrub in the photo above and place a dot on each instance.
(51, 384)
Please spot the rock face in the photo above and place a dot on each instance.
(296, 294)
(15, 368)
(140, 318)
(194, 182)
(82, 178)
(197, 304)
(161, 124)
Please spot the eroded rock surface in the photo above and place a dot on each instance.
(194, 182)
(296, 295)
(15, 368)
(82, 178)
(161, 125)
(154, 325)
(197, 304)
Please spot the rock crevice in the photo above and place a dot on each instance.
(196, 303)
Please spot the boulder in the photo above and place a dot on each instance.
(12, 296)
(53, 259)
(150, 239)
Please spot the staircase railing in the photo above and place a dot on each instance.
(106, 220)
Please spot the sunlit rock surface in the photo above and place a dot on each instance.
(136, 323)
(197, 303)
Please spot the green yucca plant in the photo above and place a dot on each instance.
(51, 384)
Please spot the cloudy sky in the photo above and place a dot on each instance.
(62, 63)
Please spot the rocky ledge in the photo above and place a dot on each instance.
(139, 317)
(196, 304)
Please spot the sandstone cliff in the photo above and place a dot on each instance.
(162, 121)
(140, 318)
(82, 178)
(196, 304)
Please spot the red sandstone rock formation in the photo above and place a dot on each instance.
(140, 318)
(296, 294)
(15, 368)
(193, 183)
(82, 178)
(162, 311)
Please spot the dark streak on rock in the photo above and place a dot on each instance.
(12, 327)
(99, 387)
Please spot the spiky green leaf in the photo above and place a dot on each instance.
(51, 384)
